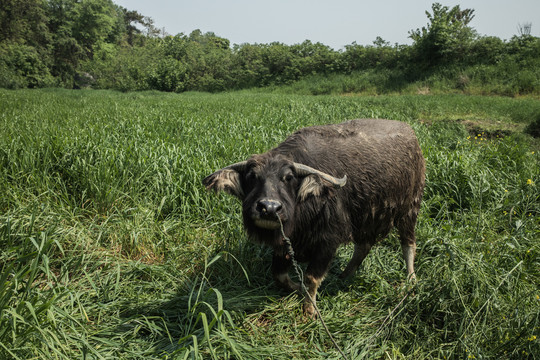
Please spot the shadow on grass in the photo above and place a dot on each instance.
(203, 311)
(206, 310)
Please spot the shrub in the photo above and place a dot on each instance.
(23, 66)
(527, 82)
(534, 127)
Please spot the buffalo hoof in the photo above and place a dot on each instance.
(309, 311)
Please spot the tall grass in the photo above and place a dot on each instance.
(505, 79)
(110, 247)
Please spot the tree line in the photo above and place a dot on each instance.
(77, 43)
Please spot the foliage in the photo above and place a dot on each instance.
(24, 22)
(23, 66)
(446, 39)
(96, 43)
(62, 34)
(534, 126)
(111, 248)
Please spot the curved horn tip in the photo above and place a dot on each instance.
(239, 166)
(341, 182)
(306, 170)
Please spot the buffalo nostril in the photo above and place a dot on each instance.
(268, 207)
(274, 208)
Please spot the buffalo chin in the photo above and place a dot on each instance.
(267, 224)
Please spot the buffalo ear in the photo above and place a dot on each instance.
(227, 180)
(314, 185)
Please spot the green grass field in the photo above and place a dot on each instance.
(110, 248)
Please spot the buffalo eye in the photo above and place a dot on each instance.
(288, 177)
(251, 179)
(251, 175)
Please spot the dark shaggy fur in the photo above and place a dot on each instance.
(385, 179)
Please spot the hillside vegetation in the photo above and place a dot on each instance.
(110, 248)
(96, 43)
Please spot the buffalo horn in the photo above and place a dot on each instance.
(304, 170)
(239, 166)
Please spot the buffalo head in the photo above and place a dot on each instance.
(271, 186)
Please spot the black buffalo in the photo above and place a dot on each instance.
(330, 185)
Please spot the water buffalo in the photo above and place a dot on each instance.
(330, 185)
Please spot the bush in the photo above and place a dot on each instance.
(23, 66)
(169, 75)
(534, 127)
(527, 82)
(9, 79)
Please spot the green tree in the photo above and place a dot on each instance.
(94, 24)
(315, 58)
(250, 69)
(130, 19)
(447, 38)
(24, 22)
(67, 51)
(25, 53)
(486, 50)
(209, 61)
(379, 55)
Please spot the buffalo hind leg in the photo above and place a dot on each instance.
(360, 252)
(408, 243)
(409, 252)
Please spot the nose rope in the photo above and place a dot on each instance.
(300, 276)
(296, 267)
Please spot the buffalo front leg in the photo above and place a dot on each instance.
(280, 271)
(315, 273)
(312, 283)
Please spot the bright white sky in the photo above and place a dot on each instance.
(332, 22)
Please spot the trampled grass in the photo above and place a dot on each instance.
(110, 248)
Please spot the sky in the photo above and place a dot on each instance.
(335, 23)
